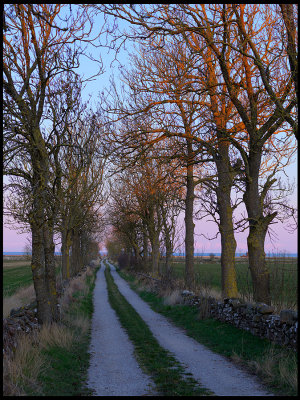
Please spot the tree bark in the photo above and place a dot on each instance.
(228, 247)
(67, 254)
(258, 225)
(64, 253)
(145, 249)
(75, 253)
(50, 275)
(38, 273)
(259, 270)
(155, 254)
(189, 223)
(39, 159)
(228, 242)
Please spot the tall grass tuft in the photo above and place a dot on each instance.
(23, 369)
(277, 366)
(55, 335)
(22, 296)
(173, 298)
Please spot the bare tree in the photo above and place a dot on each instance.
(257, 82)
(37, 47)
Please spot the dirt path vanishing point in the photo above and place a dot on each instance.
(213, 371)
(113, 369)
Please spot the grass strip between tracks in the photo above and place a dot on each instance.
(167, 373)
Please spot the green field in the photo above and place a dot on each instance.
(283, 278)
(16, 274)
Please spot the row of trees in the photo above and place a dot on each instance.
(51, 148)
(143, 210)
(217, 86)
(208, 109)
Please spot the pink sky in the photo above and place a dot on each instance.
(285, 242)
(13, 241)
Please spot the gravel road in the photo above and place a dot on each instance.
(213, 371)
(113, 369)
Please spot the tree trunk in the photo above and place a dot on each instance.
(258, 225)
(168, 245)
(145, 250)
(257, 262)
(168, 258)
(40, 168)
(189, 223)
(155, 255)
(50, 276)
(76, 261)
(67, 253)
(38, 274)
(64, 253)
(228, 242)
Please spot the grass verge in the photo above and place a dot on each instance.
(275, 365)
(59, 352)
(167, 373)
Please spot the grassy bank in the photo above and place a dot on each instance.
(168, 375)
(276, 366)
(54, 361)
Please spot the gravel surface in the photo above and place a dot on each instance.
(211, 370)
(113, 369)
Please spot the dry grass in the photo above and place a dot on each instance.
(55, 335)
(23, 296)
(143, 284)
(275, 366)
(208, 292)
(76, 284)
(23, 368)
(78, 321)
(14, 264)
(89, 271)
(28, 362)
(173, 298)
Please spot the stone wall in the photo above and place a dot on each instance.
(259, 318)
(24, 319)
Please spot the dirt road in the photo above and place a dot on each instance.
(212, 370)
(114, 370)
